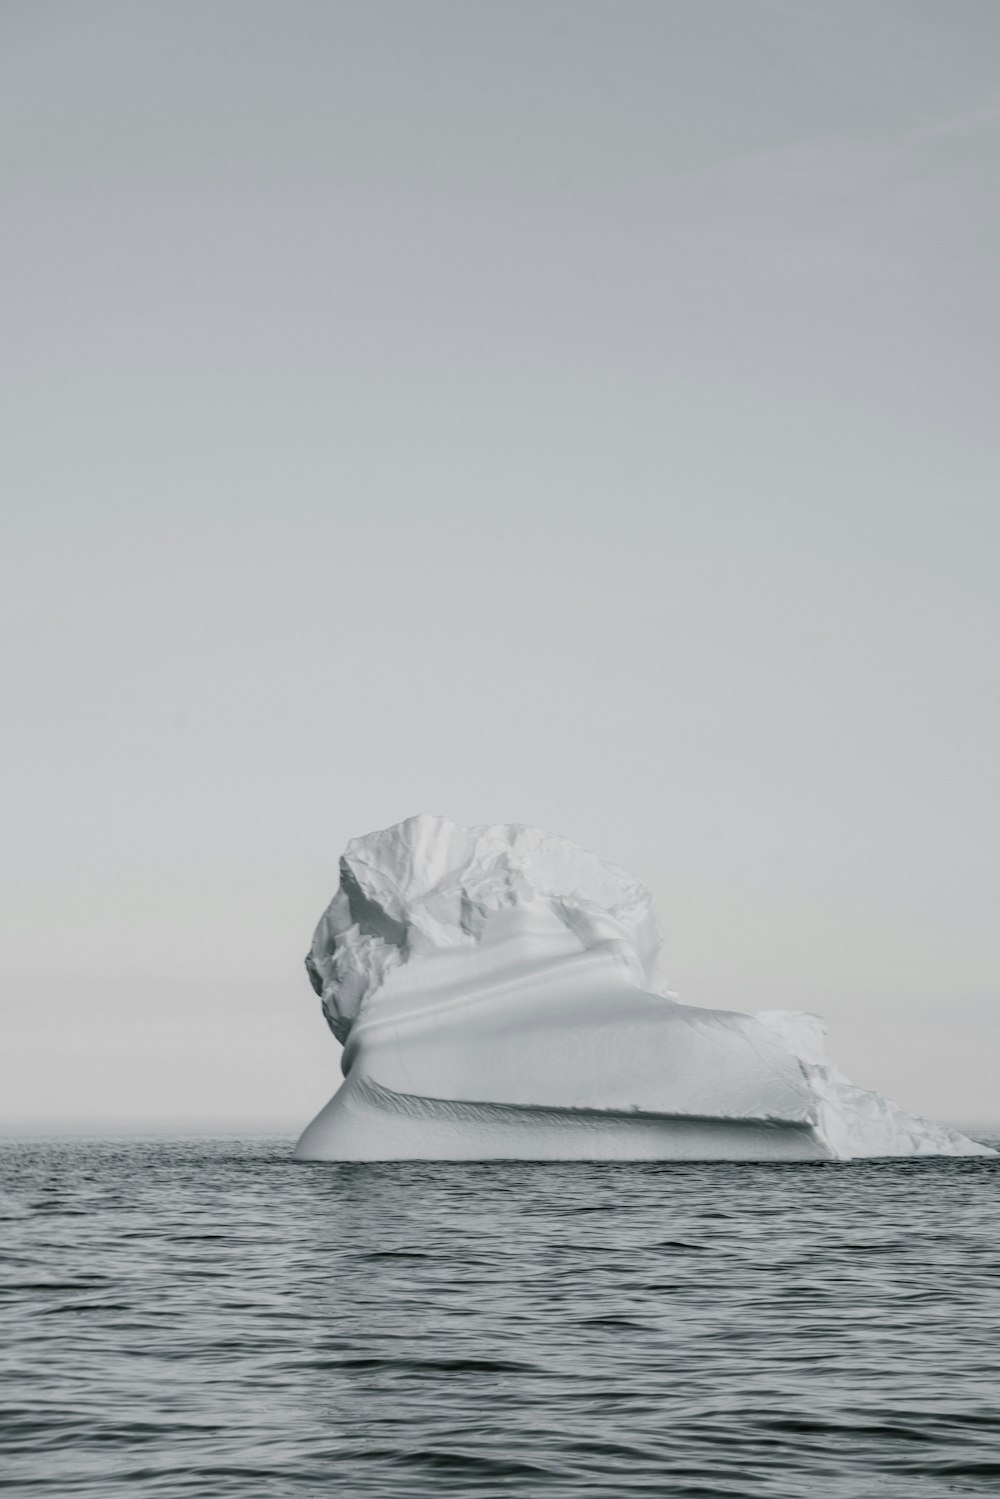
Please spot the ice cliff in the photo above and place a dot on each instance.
(497, 993)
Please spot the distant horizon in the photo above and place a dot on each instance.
(110, 1128)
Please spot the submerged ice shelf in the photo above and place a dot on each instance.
(497, 993)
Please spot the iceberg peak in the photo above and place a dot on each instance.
(429, 885)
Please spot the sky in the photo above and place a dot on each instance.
(570, 413)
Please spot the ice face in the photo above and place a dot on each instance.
(429, 886)
(498, 994)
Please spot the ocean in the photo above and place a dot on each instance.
(204, 1317)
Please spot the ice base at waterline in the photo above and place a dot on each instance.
(497, 993)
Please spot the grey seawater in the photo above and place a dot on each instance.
(204, 1317)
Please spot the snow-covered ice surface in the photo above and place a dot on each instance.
(498, 995)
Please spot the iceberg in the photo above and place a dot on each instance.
(498, 995)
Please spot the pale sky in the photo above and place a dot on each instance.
(581, 414)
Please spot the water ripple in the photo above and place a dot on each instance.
(204, 1318)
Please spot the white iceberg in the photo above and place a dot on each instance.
(497, 993)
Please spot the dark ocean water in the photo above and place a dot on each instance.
(203, 1317)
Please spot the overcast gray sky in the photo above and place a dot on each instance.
(572, 413)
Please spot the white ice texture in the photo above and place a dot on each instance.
(498, 995)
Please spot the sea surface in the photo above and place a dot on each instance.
(205, 1317)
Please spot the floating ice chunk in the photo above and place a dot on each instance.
(498, 996)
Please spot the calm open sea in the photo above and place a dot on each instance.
(203, 1317)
